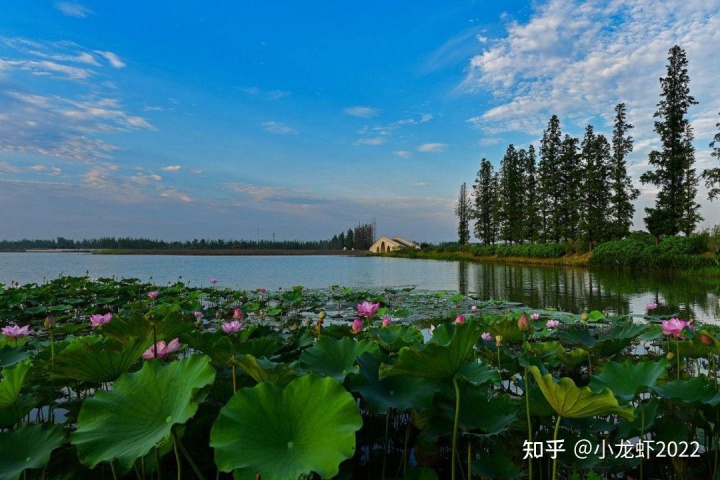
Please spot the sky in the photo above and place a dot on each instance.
(298, 120)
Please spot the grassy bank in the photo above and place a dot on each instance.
(572, 260)
(120, 251)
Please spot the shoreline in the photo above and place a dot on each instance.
(234, 252)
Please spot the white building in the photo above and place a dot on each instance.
(386, 244)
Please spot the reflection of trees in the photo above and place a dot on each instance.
(463, 277)
(577, 290)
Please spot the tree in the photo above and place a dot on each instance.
(484, 191)
(350, 239)
(511, 185)
(550, 173)
(531, 220)
(712, 175)
(595, 225)
(623, 193)
(569, 201)
(462, 210)
(675, 207)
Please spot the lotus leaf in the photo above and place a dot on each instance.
(12, 382)
(334, 358)
(97, 359)
(309, 426)
(263, 370)
(694, 391)
(140, 411)
(12, 355)
(28, 447)
(395, 337)
(627, 380)
(569, 401)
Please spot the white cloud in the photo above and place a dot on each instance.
(369, 141)
(73, 9)
(432, 147)
(362, 112)
(420, 184)
(403, 153)
(277, 127)
(271, 94)
(172, 168)
(112, 58)
(48, 68)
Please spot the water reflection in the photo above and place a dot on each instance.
(577, 290)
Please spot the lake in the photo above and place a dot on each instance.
(568, 289)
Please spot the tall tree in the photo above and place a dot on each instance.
(462, 210)
(350, 239)
(712, 175)
(550, 174)
(675, 208)
(511, 209)
(531, 221)
(484, 191)
(596, 224)
(623, 192)
(570, 189)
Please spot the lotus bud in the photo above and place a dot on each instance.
(523, 323)
(49, 322)
(386, 322)
(706, 339)
(584, 316)
(322, 315)
(670, 355)
(459, 319)
(498, 341)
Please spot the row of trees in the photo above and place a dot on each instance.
(359, 238)
(580, 189)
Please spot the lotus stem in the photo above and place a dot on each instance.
(187, 456)
(499, 368)
(234, 380)
(177, 458)
(589, 364)
(677, 353)
(455, 427)
(469, 460)
(385, 444)
(157, 461)
(529, 422)
(642, 434)
(155, 346)
(52, 347)
(112, 469)
(554, 464)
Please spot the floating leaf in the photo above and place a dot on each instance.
(569, 401)
(140, 410)
(628, 379)
(28, 447)
(309, 426)
(334, 358)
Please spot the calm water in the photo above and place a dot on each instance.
(567, 289)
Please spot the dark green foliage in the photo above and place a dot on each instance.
(671, 252)
(623, 192)
(484, 250)
(712, 175)
(531, 217)
(549, 181)
(538, 250)
(511, 209)
(485, 192)
(675, 208)
(463, 208)
(596, 225)
(571, 189)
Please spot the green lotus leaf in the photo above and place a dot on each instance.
(12, 355)
(29, 446)
(402, 392)
(436, 360)
(619, 337)
(395, 337)
(139, 412)
(263, 370)
(627, 380)
(334, 358)
(97, 359)
(12, 382)
(578, 336)
(573, 358)
(695, 391)
(569, 401)
(497, 465)
(309, 426)
(478, 373)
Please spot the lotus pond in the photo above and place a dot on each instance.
(105, 378)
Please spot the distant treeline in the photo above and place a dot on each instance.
(358, 239)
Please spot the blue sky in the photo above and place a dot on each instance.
(183, 120)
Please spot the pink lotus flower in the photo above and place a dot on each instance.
(553, 323)
(153, 294)
(487, 336)
(162, 349)
(535, 316)
(386, 322)
(357, 326)
(651, 306)
(673, 327)
(523, 323)
(367, 309)
(473, 308)
(213, 280)
(459, 319)
(232, 327)
(97, 320)
(238, 314)
(198, 314)
(15, 331)
(262, 290)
